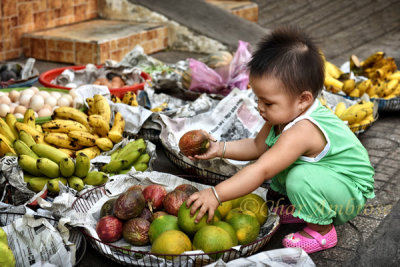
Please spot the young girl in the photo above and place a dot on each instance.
(311, 156)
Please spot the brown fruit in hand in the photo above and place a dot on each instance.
(194, 142)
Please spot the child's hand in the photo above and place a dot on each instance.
(212, 152)
(206, 201)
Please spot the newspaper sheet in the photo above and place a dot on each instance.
(234, 117)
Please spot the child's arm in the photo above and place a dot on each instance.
(255, 147)
(293, 143)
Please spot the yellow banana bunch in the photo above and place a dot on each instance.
(29, 117)
(130, 99)
(92, 109)
(333, 84)
(63, 126)
(348, 86)
(357, 112)
(91, 152)
(332, 70)
(36, 135)
(11, 120)
(104, 143)
(82, 138)
(61, 140)
(6, 131)
(102, 107)
(5, 147)
(339, 109)
(115, 99)
(115, 134)
(100, 125)
(68, 113)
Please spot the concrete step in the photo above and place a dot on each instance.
(94, 41)
(245, 9)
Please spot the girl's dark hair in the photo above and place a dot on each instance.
(289, 55)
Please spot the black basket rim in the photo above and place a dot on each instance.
(242, 247)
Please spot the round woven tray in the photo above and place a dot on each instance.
(131, 257)
(75, 236)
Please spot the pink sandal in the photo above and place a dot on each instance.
(286, 214)
(311, 245)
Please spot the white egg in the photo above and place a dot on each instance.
(73, 93)
(55, 107)
(14, 95)
(51, 101)
(12, 107)
(45, 94)
(18, 115)
(47, 106)
(20, 109)
(56, 95)
(34, 89)
(25, 99)
(69, 97)
(36, 115)
(5, 100)
(77, 102)
(4, 109)
(63, 102)
(28, 92)
(44, 112)
(36, 103)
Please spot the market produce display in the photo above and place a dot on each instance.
(174, 230)
(380, 72)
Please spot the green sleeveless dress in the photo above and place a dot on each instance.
(334, 185)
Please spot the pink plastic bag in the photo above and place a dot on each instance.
(223, 80)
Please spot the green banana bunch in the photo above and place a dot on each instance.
(48, 167)
(26, 138)
(82, 165)
(95, 178)
(114, 166)
(53, 185)
(28, 164)
(76, 183)
(67, 167)
(36, 184)
(23, 149)
(46, 151)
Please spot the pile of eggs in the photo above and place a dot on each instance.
(42, 102)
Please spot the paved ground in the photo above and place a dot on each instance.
(342, 28)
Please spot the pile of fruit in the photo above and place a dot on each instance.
(382, 73)
(358, 116)
(150, 215)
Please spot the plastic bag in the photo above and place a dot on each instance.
(222, 80)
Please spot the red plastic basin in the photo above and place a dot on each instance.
(46, 77)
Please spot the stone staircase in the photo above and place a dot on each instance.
(96, 40)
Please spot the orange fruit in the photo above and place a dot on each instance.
(171, 242)
(211, 238)
(224, 208)
(255, 204)
(186, 222)
(227, 227)
(162, 224)
(245, 224)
